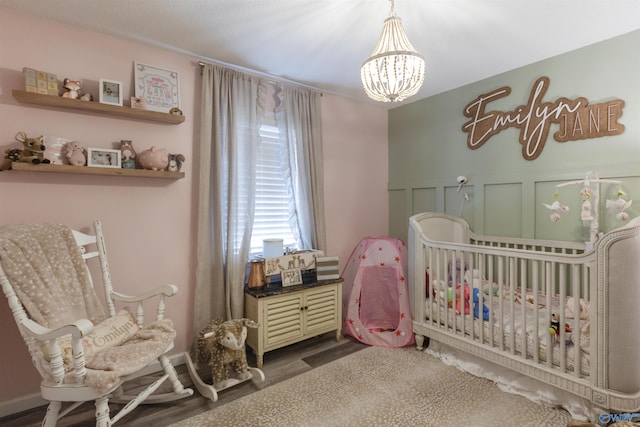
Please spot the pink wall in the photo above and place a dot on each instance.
(356, 173)
(149, 223)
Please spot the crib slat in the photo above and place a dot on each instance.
(535, 278)
(513, 288)
(548, 291)
(563, 297)
(577, 330)
(523, 308)
(501, 302)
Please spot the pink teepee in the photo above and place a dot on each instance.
(376, 306)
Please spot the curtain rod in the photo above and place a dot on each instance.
(201, 64)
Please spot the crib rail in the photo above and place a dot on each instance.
(523, 283)
(490, 296)
(517, 289)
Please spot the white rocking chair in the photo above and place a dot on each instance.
(81, 354)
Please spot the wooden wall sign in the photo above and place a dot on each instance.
(576, 118)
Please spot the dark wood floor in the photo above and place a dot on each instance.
(279, 365)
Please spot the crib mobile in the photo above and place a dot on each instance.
(590, 193)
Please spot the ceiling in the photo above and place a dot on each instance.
(322, 43)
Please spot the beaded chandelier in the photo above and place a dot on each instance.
(395, 70)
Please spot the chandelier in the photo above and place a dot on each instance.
(395, 70)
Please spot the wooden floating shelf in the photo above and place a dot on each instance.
(95, 107)
(87, 170)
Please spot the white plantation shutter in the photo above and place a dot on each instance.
(273, 203)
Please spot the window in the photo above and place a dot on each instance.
(273, 202)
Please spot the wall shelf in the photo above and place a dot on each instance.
(95, 107)
(86, 170)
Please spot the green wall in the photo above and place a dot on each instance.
(428, 150)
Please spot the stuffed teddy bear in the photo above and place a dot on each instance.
(33, 149)
(75, 154)
(221, 345)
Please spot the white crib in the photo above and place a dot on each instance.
(520, 285)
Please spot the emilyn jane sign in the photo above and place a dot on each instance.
(576, 118)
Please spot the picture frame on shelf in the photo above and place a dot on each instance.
(291, 277)
(157, 86)
(110, 92)
(104, 158)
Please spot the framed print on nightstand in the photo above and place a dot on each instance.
(110, 92)
(157, 86)
(291, 277)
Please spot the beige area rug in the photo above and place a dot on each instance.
(382, 387)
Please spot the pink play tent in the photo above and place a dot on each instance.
(376, 306)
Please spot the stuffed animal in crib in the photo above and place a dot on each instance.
(221, 345)
(476, 303)
(554, 328)
(476, 306)
(33, 149)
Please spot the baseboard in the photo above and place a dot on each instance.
(20, 404)
(30, 401)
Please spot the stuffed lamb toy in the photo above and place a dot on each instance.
(221, 345)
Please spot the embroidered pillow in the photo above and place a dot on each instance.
(111, 332)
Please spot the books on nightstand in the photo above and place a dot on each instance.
(327, 268)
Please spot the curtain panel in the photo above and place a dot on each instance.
(233, 110)
(228, 141)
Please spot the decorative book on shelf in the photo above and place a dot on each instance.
(327, 268)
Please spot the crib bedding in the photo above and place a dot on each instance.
(537, 334)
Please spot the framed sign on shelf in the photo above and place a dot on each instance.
(157, 86)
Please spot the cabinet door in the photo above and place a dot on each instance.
(283, 323)
(321, 310)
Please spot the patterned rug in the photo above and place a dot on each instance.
(382, 387)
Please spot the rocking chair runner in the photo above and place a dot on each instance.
(81, 354)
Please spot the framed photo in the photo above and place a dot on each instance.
(291, 277)
(110, 92)
(157, 86)
(104, 158)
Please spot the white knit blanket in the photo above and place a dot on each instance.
(46, 270)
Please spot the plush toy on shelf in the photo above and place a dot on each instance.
(75, 154)
(175, 162)
(73, 90)
(33, 149)
(128, 154)
(11, 155)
